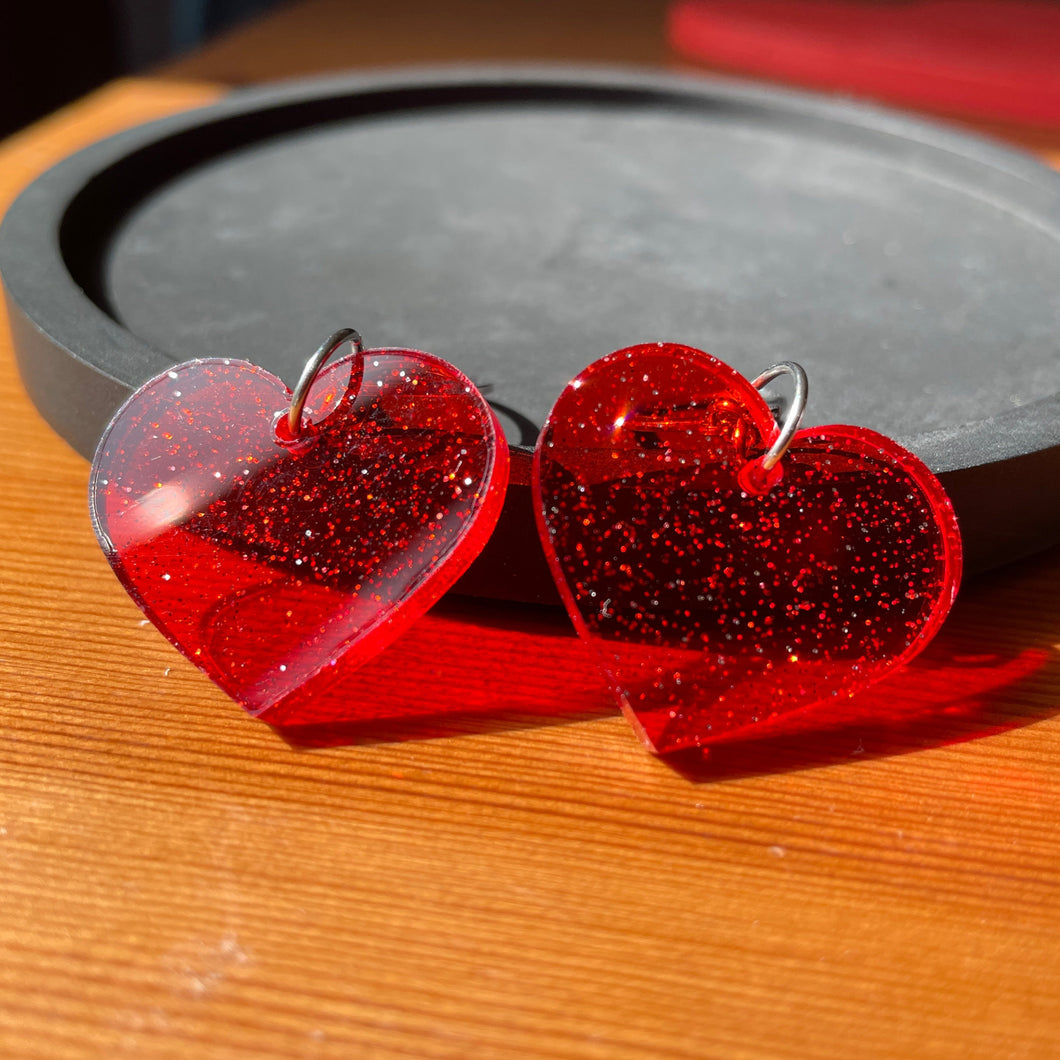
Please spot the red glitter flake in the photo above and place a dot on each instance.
(277, 564)
(715, 597)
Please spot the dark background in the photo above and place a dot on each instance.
(53, 52)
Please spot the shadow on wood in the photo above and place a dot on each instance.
(474, 667)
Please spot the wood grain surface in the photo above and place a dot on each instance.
(496, 868)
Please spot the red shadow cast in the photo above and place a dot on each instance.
(941, 698)
(467, 666)
(473, 667)
(974, 680)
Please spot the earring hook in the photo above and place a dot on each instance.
(793, 417)
(312, 369)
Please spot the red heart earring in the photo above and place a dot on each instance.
(281, 539)
(726, 571)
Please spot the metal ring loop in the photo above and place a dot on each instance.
(309, 373)
(794, 414)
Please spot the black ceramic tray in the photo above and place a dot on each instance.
(521, 223)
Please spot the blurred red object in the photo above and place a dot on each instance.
(996, 59)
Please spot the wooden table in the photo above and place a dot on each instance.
(519, 879)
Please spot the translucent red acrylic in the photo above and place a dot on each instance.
(279, 563)
(718, 598)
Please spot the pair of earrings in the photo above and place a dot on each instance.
(724, 570)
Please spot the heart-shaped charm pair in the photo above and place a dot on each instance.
(279, 553)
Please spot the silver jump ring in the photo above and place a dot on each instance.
(310, 371)
(794, 414)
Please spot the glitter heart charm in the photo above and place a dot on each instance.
(277, 551)
(719, 593)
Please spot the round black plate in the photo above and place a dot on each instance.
(522, 223)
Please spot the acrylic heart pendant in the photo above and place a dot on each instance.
(279, 562)
(719, 598)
